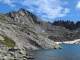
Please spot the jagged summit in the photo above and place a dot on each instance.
(21, 26)
(21, 29)
(20, 12)
(22, 16)
(23, 12)
(16, 14)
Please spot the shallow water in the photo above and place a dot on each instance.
(68, 52)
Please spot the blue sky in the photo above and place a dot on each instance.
(48, 10)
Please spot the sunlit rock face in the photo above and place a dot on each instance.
(26, 30)
(23, 28)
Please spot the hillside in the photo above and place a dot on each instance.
(20, 32)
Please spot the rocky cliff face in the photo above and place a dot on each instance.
(22, 28)
(21, 31)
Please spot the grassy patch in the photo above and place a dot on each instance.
(2, 17)
(7, 41)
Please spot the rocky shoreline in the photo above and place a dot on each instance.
(21, 31)
(14, 54)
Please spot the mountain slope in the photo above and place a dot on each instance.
(21, 27)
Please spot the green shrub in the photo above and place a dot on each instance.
(7, 42)
(2, 17)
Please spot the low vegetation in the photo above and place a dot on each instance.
(7, 42)
(2, 17)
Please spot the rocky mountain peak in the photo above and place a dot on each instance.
(22, 16)
(20, 12)
(20, 30)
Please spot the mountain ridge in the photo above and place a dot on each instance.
(23, 24)
(22, 32)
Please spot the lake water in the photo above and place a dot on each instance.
(68, 52)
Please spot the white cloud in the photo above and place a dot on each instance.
(8, 2)
(78, 5)
(66, 10)
(46, 9)
(51, 8)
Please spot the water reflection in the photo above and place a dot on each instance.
(69, 52)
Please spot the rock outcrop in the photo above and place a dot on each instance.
(20, 30)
